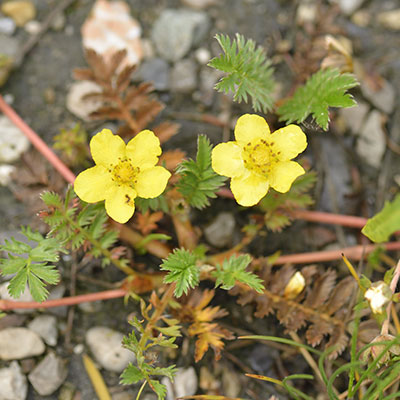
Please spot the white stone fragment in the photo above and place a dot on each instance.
(5, 174)
(19, 343)
(12, 141)
(185, 383)
(13, 385)
(25, 296)
(46, 327)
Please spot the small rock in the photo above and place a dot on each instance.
(6, 171)
(185, 383)
(13, 384)
(361, 18)
(9, 46)
(18, 343)
(371, 143)
(208, 79)
(231, 383)
(200, 4)
(91, 306)
(390, 19)
(59, 22)
(48, 375)
(46, 327)
(220, 232)
(7, 26)
(57, 292)
(202, 55)
(25, 296)
(155, 70)
(12, 141)
(79, 106)
(106, 346)
(306, 13)
(20, 11)
(33, 27)
(382, 98)
(354, 116)
(67, 391)
(348, 7)
(184, 76)
(176, 31)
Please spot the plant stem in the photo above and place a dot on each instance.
(141, 390)
(393, 285)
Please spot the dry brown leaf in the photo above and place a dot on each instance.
(147, 222)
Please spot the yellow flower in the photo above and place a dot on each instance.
(259, 159)
(122, 172)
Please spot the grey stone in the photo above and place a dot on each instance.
(59, 22)
(200, 4)
(184, 76)
(348, 7)
(9, 46)
(48, 375)
(185, 383)
(46, 327)
(390, 19)
(383, 99)
(220, 232)
(6, 172)
(371, 143)
(25, 296)
(208, 78)
(12, 141)
(106, 346)
(355, 116)
(7, 26)
(57, 292)
(155, 70)
(13, 384)
(19, 343)
(177, 30)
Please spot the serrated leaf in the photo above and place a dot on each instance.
(157, 204)
(131, 375)
(47, 273)
(326, 88)
(169, 371)
(159, 388)
(37, 288)
(387, 221)
(182, 268)
(198, 180)
(51, 199)
(11, 265)
(249, 72)
(17, 284)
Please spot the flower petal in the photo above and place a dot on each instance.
(226, 159)
(288, 142)
(143, 149)
(249, 190)
(283, 175)
(152, 182)
(250, 127)
(92, 184)
(120, 204)
(106, 148)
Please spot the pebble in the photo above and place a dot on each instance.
(184, 76)
(13, 384)
(48, 375)
(185, 383)
(58, 292)
(355, 116)
(20, 11)
(202, 55)
(6, 171)
(384, 98)
(231, 383)
(12, 141)
(155, 70)
(306, 13)
(18, 343)
(46, 327)
(106, 346)
(348, 7)
(200, 4)
(7, 26)
(177, 30)
(82, 107)
(33, 27)
(58, 23)
(371, 143)
(390, 19)
(25, 296)
(220, 232)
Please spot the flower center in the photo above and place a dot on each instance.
(259, 157)
(124, 173)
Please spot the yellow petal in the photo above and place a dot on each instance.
(152, 182)
(283, 175)
(288, 142)
(226, 159)
(106, 148)
(249, 190)
(144, 149)
(120, 204)
(250, 127)
(92, 184)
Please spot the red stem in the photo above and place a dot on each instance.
(65, 301)
(40, 145)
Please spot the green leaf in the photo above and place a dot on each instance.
(159, 388)
(387, 221)
(11, 265)
(157, 204)
(169, 371)
(248, 70)
(233, 270)
(198, 180)
(51, 199)
(17, 284)
(37, 288)
(131, 375)
(182, 268)
(47, 273)
(326, 88)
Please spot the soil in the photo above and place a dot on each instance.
(47, 68)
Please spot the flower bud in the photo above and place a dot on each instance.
(295, 286)
(378, 295)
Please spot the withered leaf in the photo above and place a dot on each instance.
(83, 74)
(321, 289)
(316, 332)
(166, 130)
(341, 295)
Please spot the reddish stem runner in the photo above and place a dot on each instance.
(354, 253)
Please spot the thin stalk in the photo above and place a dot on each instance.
(393, 285)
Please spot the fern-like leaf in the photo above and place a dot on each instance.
(326, 88)
(198, 180)
(249, 72)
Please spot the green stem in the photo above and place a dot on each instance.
(141, 390)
